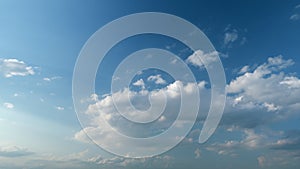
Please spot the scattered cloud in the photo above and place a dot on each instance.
(60, 108)
(82, 136)
(261, 161)
(140, 83)
(244, 69)
(201, 59)
(103, 134)
(295, 17)
(157, 79)
(14, 67)
(250, 141)
(8, 105)
(14, 151)
(120, 162)
(49, 79)
(234, 36)
(265, 89)
(230, 37)
(291, 141)
(291, 82)
(197, 153)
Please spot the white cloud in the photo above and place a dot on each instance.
(8, 105)
(244, 69)
(261, 161)
(164, 161)
(271, 107)
(140, 83)
(250, 141)
(49, 79)
(197, 153)
(253, 83)
(82, 137)
(103, 134)
(291, 82)
(60, 108)
(295, 17)
(201, 59)
(230, 37)
(157, 79)
(14, 151)
(14, 67)
(265, 89)
(234, 36)
(237, 100)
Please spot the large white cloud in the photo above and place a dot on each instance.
(164, 115)
(267, 88)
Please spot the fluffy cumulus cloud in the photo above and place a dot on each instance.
(201, 59)
(265, 89)
(140, 83)
(162, 110)
(259, 96)
(14, 67)
(157, 79)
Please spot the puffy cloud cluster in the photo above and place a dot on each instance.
(201, 59)
(162, 110)
(14, 67)
(257, 97)
(255, 94)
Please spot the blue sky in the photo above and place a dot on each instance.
(257, 42)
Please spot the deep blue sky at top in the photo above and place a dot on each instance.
(50, 34)
(58, 29)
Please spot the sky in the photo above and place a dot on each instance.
(257, 43)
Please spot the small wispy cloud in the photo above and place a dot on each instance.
(234, 35)
(60, 108)
(197, 153)
(230, 37)
(14, 67)
(8, 105)
(49, 79)
(296, 15)
(14, 151)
